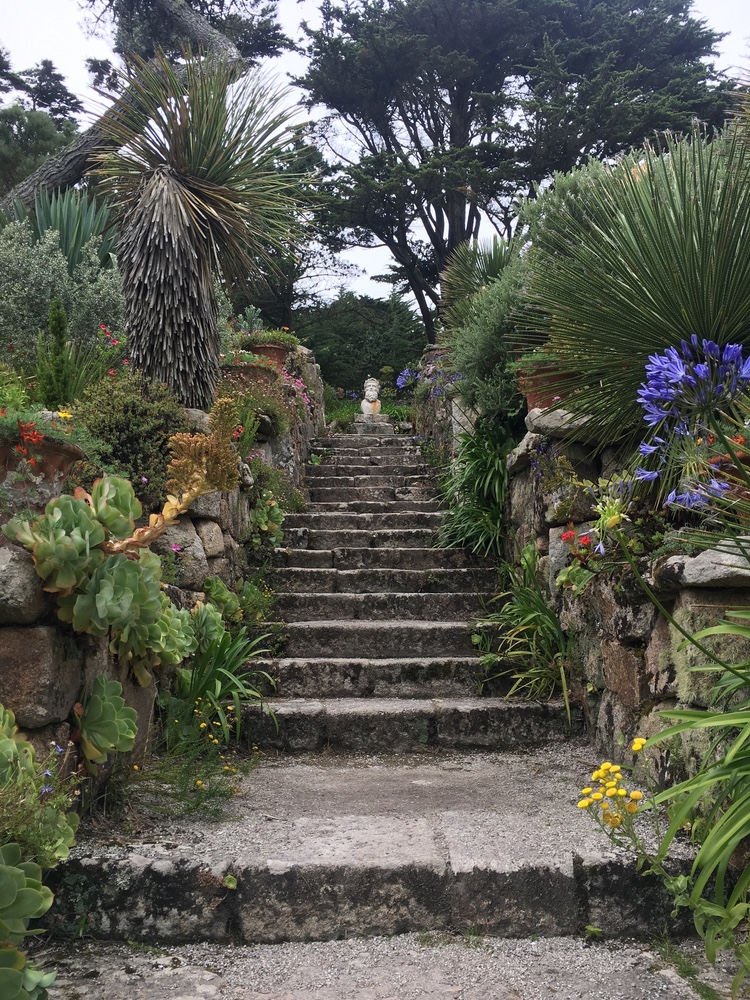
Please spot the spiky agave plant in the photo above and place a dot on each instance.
(659, 254)
(198, 193)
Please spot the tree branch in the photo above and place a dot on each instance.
(67, 167)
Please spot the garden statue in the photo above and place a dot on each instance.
(370, 405)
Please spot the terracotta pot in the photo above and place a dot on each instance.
(274, 352)
(544, 385)
(54, 458)
(248, 373)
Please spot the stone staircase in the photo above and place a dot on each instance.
(392, 798)
(379, 654)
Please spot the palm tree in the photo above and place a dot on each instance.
(196, 186)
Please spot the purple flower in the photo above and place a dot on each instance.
(144, 479)
(406, 376)
(599, 548)
(646, 475)
(175, 547)
(46, 789)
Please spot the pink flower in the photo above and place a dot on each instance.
(111, 372)
(114, 343)
(175, 547)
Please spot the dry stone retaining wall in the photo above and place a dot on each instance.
(45, 666)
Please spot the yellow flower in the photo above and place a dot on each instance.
(65, 414)
(586, 791)
(135, 767)
(596, 775)
(611, 784)
(597, 796)
(636, 795)
(611, 792)
(638, 744)
(631, 807)
(614, 821)
(199, 783)
(202, 725)
(606, 766)
(622, 792)
(584, 803)
(604, 805)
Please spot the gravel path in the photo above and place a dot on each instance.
(408, 967)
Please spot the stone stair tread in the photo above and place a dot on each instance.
(389, 558)
(378, 606)
(383, 580)
(324, 848)
(320, 538)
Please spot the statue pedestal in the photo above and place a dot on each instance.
(371, 423)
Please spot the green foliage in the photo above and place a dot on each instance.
(530, 643)
(474, 490)
(27, 138)
(54, 367)
(216, 686)
(462, 108)
(101, 593)
(106, 724)
(13, 393)
(480, 347)
(266, 520)
(355, 336)
(74, 215)
(654, 251)
(250, 601)
(135, 418)
(32, 273)
(471, 268)
(37, 830)
(251, 337)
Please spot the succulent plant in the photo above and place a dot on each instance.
(22, 898)
(115, 505)
(208, 623)
(105, 723)
(266, 518)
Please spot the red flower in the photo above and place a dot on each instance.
(585, 540)
(568, 536)
(111, 372)
(125, 361)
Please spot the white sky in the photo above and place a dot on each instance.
(31, 30)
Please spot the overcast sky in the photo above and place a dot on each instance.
(31, 30)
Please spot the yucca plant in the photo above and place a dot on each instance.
(471, 267)
(197, 193)
(660, 253)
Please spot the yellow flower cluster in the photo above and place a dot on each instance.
(611, 796)
(638, 744)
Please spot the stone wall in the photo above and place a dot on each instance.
(45, 666)
(632, 661)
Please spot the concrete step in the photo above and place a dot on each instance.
(330, 521)
(360, 558)
(307, 580)
(401, 538)
(406, 725)
(322, 849)
(377, 639)
(291, 607)
(426, 677)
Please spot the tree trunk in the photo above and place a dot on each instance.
(70, 165)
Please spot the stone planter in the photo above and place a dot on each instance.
(248, 373)
(277, 353)
(543, 386)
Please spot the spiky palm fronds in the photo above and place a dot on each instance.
(196, 185)
(472, 266)
(663, 253)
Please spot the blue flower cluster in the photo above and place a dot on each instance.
(691, 379)
(683, 387)
(407, 377)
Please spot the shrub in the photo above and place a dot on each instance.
(32, 274)
(135, 419)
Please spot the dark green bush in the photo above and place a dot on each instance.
(135, 419)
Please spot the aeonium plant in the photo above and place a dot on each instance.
(98, 565)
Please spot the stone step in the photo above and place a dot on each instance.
(310, 538)
(295, 607)
(373, 507)
(361, 442)
(377, 639)
(398, 480)
(425, 677)
(321, 849)
(389, 558)
(328, 494)
(366, 467)
(306, 580)
(326, 521)
(406, 725)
